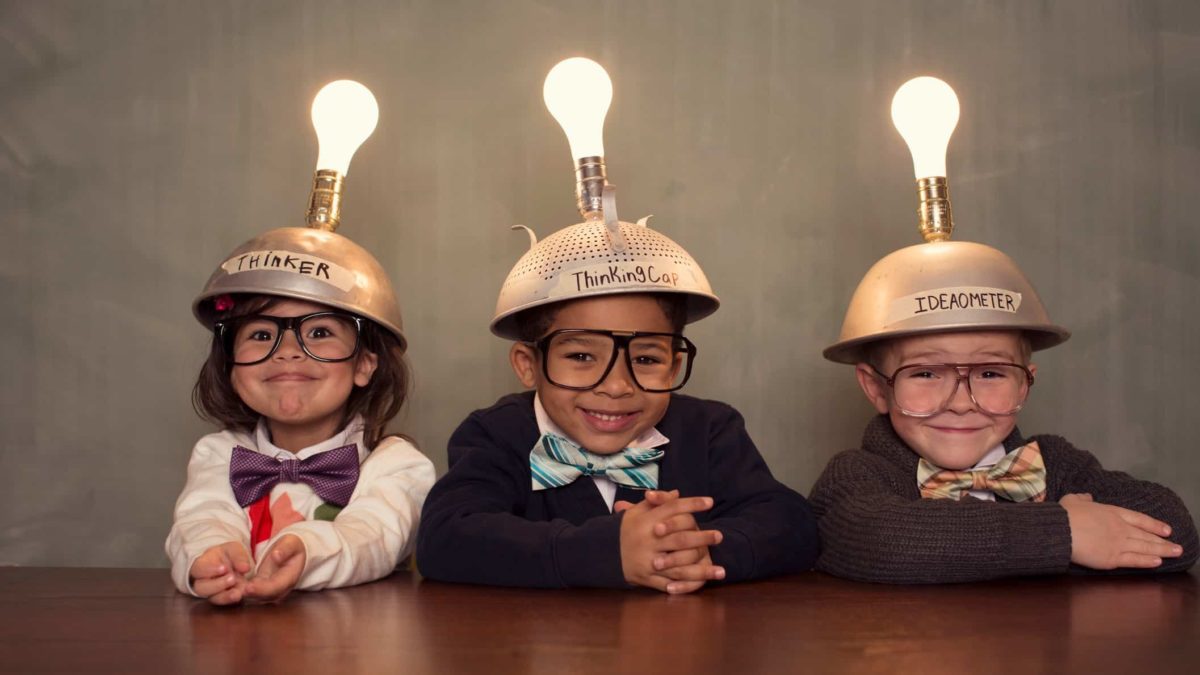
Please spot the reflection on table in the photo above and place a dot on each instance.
(101, 619)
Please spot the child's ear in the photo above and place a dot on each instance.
(1032, 369)
(523, 359)
(364, 368)
(872, 386)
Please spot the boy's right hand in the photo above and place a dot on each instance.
(219, 574)
(641, 544)
(1106, 537)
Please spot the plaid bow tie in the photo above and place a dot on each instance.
(1019, 476)
(556, 461)
(331, 474)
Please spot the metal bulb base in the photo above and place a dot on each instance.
(937, 221)
(325, 202)
(590, 179)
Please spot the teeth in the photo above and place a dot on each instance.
(606, 418)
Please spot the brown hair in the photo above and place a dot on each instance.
(215, 400)
(535, 322)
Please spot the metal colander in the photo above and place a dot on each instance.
(596, 258)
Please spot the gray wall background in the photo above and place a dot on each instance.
(142, 141)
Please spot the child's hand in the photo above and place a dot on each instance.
(219, 574)
(1106, 537)
(692, 566)
(279, 570)
(640, 545)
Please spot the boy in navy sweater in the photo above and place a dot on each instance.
(602, 476)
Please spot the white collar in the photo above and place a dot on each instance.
(351, 434)
(990, 458)
(650, 438)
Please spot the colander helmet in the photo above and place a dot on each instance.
(601, 257)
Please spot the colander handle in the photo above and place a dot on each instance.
(611, 221)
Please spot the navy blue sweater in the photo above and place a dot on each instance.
(483, 523)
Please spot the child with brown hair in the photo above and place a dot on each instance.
(301, 489)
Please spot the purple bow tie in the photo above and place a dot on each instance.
(331, 474)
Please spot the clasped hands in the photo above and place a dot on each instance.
(662, 546)
(221, 574)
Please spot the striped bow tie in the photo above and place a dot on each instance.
(1019, 476)
(556, 461)
(331, 474)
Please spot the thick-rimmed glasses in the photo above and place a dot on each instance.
(926, 389)
(324, 336)
(580, 359)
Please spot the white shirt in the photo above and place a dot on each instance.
(988, 461)
(651, 438)
(365, 541)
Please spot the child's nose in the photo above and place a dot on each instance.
(961, 401)
(619, 381)
(289, 347)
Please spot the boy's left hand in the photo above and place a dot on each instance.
(279, 572)
(686, 569)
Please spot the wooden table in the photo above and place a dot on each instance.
(132, 620)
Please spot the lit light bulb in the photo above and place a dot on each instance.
(344, 114)
(577, 93)
(925, 112)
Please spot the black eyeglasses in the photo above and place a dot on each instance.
(925, 389)
(581, 359)
(324, 336)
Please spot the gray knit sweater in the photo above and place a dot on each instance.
(876, 527)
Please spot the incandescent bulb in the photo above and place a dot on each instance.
(344, 114)
(925, 112)
(577, 93)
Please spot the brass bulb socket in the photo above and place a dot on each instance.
(325, 202)
(590, 179)
(937, 221)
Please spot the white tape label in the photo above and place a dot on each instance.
(620, 275)
(951, 299)
(297, 263)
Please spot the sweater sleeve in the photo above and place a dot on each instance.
(871, 531)
(374, 532)
(1080, 472)
(474, 530)
(768, 528)
(206, 513)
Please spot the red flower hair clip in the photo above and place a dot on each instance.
(223, 303)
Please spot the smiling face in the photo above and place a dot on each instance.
(958, 437)
(302, 399)
(607, 418)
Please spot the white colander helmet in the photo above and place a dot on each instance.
(601, 257)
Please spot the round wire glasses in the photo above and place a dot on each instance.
(924, 389)
(324, 336)
(581, 359)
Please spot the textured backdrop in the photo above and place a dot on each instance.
(142, 141)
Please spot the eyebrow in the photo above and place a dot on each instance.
(655, 345)
(583, 338)
(935, 354)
